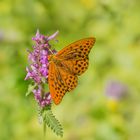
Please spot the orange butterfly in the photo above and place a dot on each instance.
(66, 65)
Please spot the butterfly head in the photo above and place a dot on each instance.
(50, 57)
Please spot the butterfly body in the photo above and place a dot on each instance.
(54, 59)
(66, 65)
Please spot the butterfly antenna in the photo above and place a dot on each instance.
(48, 47)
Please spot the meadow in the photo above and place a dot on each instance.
(106, 103)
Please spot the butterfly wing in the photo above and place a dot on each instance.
(75, 55)
(78, 66)
(60, 81)
(77, 49)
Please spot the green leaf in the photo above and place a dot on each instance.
(30, 89)
(50, 120)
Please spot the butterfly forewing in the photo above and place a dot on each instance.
(56, 86)
(76, 50)
(75, 55)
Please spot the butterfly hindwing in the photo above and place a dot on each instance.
(80, 66)
(77, 67)
(60, 81)
(69, 79)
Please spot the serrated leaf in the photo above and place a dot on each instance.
(53, 123)
(50, 120)
(30, 89)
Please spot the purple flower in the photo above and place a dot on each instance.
(38, 66)
(116, 90)
(42, 99)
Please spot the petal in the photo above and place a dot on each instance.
(53, 36)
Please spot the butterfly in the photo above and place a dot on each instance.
(66, 65)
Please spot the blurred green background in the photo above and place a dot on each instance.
(89, 112)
